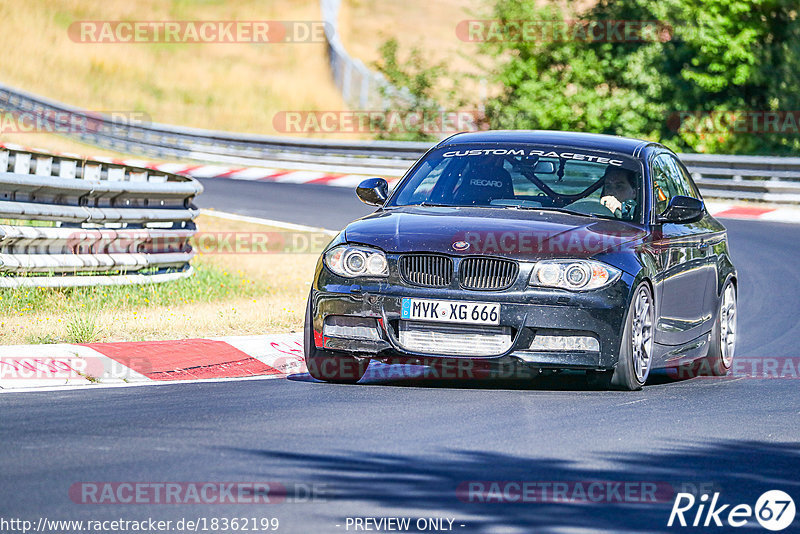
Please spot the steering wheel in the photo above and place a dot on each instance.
(590, 207)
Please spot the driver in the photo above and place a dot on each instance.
(619, 192)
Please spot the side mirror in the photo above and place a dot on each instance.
(373, 191)
(682, 209)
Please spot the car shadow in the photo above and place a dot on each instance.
(372, 482)
(561, 382)
(420, 376)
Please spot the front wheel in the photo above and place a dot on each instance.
(723, 335)
(636, 347)
(328, 366)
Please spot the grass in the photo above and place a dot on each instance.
(209, 283)
(25, 222)
(229, 294)
(83, 328)
(228, 86)
(58, 143)
(236, 87)
(429, 26)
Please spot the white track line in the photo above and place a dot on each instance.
(101, 385)
(265, 222)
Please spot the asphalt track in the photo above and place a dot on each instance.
(389, 448)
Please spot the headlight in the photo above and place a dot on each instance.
(350, 262)
(572, 274)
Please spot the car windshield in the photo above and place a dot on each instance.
(526, 177)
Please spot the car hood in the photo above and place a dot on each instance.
(520, 234)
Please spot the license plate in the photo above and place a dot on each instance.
(449, 311)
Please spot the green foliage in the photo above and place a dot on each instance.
(715, 56)
(418, 104)
(83, 328)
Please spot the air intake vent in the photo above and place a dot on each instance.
(487, 273)
(427, 270)
(454, 340)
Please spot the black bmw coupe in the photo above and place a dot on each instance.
(545, 250)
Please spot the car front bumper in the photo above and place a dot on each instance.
(528, 312)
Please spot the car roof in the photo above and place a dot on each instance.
(588, 141)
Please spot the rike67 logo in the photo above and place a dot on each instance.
(774, 510)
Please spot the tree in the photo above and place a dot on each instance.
(706, 66)
(414, 94)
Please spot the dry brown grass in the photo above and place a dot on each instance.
(234, 87)
(278, 308)
(225, 86)
(429, 26)
(58, 143)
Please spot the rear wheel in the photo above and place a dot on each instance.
(723, 335)
(328, 366)
(636, 347)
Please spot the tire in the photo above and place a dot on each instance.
(328, 366)
(636, 346)
(719, 360)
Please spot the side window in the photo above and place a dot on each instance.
(666, 183)
(419, 189)
(686, 184)
(427, 178)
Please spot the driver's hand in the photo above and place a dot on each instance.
(611, 203)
